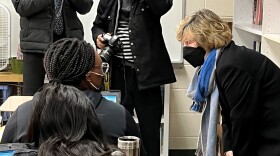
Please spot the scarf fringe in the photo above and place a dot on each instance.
(197, 107)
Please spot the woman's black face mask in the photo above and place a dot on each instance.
(195, 56)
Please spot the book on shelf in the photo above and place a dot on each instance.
(257, 12)
(254, 11)
(257, 46)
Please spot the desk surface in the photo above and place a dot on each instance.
(12, 103)
(10, 77)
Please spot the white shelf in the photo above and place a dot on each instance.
(268, 34)
(251, 28)
(273, 37)
(243, 15)
(227, 19)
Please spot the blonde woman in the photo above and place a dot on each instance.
(244, 83)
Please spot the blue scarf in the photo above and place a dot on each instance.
(205, 94)
(203, 82)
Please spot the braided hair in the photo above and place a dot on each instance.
(68, 60)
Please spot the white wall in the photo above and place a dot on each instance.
(184, 124)
(168, 22)
(87, 21)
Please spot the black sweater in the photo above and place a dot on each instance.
(115, 120)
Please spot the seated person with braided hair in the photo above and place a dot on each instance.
(74, 62)
(66, 120)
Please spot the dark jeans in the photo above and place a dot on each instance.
(147, 104)
(33, 73)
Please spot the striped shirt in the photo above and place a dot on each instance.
(123, 34)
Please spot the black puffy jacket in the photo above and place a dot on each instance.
(36, 22)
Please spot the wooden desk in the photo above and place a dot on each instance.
(12, 103)
(10, 77)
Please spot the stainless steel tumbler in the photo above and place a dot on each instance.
(117, 153)
(129, 145)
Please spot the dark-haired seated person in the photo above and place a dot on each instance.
(74, 62)
(66, 121)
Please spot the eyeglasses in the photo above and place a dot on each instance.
(104, 69)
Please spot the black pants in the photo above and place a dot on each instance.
(33, 73)
(147, 104)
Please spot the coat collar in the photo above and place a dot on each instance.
(95, 97)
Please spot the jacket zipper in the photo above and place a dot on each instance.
(117, 17)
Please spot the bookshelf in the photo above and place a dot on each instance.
(245, 32)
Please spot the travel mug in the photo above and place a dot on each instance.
(129, 145)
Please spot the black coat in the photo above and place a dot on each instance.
(36, 22)
(152, 62)
(249, 86)
(115, 120)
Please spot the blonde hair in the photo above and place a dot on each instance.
(206, 28)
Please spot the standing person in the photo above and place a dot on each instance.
(74, 62)
(143, 63)
(245, 83)
(42, 22)
(65, 119)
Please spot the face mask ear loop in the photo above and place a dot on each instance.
(97, 88)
